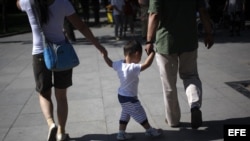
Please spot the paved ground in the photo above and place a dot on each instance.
(93, 106)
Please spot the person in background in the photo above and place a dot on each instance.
(96, 11)
(52, 14)
(118, 13)
(110, 18)
(235, 10)
(172, 28)
(85, 10)
(129, 16)
(144, 4)
(216, 11)
(128, 70)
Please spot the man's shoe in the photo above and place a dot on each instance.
(52, 133)
(196, 118)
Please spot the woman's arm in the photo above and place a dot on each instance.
(108, 60)
(84, 29)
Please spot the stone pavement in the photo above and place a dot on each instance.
(93, 106)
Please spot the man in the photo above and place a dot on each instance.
(173, 26)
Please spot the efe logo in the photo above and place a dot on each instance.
(237, 132)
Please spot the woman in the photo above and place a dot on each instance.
(52, 15)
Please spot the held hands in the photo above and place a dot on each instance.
(149, 48)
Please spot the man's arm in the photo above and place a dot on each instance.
(208, 39)
(152, 26)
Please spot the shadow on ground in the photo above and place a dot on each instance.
(211, 130)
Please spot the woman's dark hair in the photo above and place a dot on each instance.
(131, 47)
(42, 10)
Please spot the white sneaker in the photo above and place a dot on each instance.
(152, 132)
(52, 132)
(124, 136)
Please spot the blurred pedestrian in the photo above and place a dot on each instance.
(95, 4)
(144, 4)
(129, 16)
(85, 10)
(118, 13)
(110, 18)
(235, 9)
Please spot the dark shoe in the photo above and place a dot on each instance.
(196, 118)
(52, 133)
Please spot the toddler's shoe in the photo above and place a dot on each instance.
(124, 136)
(152, 132)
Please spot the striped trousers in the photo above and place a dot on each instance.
(132, 109)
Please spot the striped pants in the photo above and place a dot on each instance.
(132, 109)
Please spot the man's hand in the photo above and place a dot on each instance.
(208, 40)
(149, 48)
